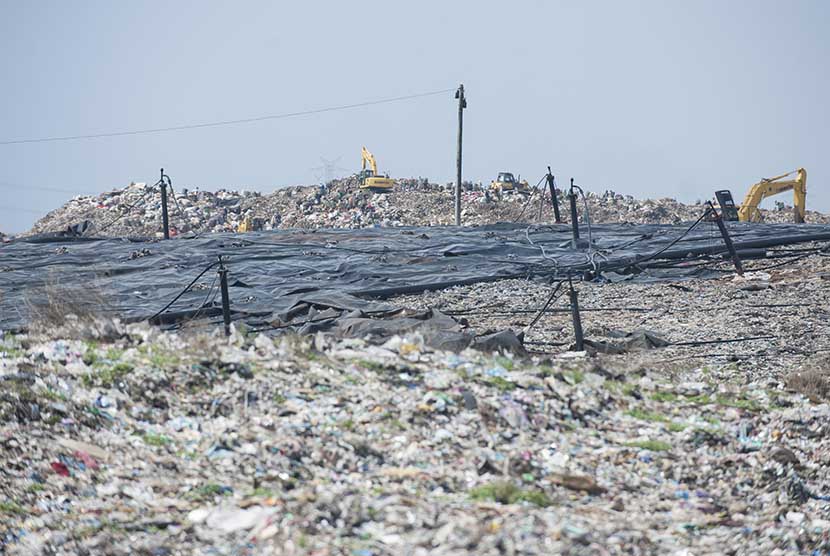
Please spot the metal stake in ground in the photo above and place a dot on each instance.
(226, 300)
(462, 104)
(727, 240)
(574, 215)
(580, 344)
(164, 219)
(553, 198)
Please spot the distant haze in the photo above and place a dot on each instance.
(651, 99)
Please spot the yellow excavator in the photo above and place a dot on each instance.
(767, 187)
(369, 178)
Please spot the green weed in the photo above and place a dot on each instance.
(162, 359)
(653, 445)
(740, 403)
(505, 492)
(114, 354)
(262, 492)
(501, 383)
(664, 397)
(504, 362)
(11, 508)
(209, 490)
(152, 439)
(577, 377)
(372, 365)
(647, 416)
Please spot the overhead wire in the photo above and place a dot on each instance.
(225, 122)
(7, 185)
(20, 209)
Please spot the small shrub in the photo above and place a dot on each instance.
(813, 384)
(78, 312)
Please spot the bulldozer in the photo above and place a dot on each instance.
(506, 182)
(369, 178)
(767, 187)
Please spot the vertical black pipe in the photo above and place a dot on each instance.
(165, 222)
(462, 104)
(736, 260)
(574, 215)
(226, 300)
(553, 198)
(578, 335)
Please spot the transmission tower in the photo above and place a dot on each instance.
(328, 170)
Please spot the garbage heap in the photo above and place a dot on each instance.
(147, 443)
(136, 209)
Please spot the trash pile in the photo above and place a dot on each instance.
(158, 443)
(698, 418)
(136, 210)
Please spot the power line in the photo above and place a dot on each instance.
(6, 185)
(18, 209)
(226, 122)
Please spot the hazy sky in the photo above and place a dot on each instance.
(662, 98)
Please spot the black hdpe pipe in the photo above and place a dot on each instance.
(672, 254)
(553, 198)
(226, 300)
(691, 252)
(574, 215)
(727, 240)
(743, 245)
(579, 343)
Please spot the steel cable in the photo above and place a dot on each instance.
(184, 291)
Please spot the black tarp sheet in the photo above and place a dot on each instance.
(276, 272)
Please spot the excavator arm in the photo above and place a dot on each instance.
(369, 159)
(773, 186)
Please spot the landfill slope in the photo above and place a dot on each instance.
(136, 210)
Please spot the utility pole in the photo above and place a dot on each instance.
(462, 104)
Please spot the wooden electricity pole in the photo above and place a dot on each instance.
(462, 104)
